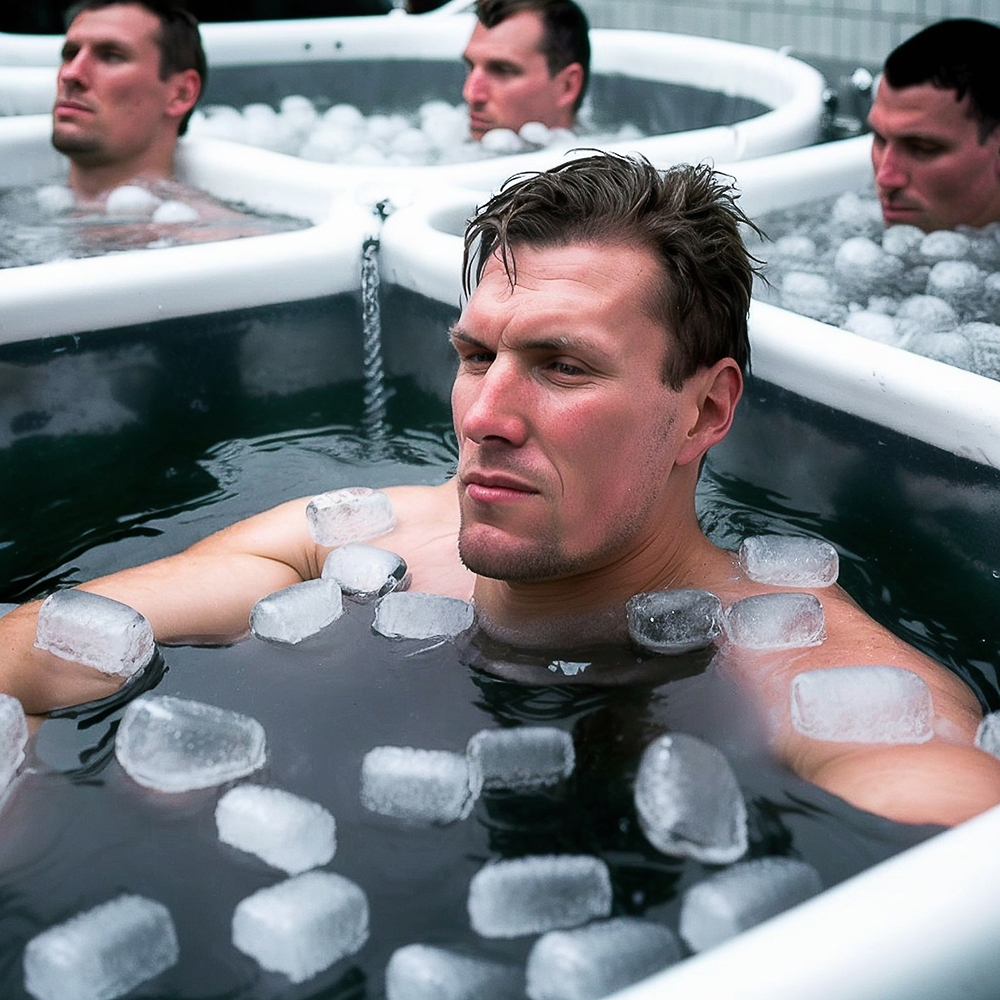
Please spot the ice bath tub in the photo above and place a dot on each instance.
(908, 446)
(693, 97)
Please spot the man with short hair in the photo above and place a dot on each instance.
(936, 119)
(527, 61)
(131, 73)
(601, 355)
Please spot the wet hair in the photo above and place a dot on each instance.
(179, 40)
(565, 32)
(687, 217)
(961, 55)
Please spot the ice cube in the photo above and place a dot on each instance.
(789, 561)
(944, 244)
(174, 745)
(97, 631)
(292, 614)
(302, 925)
(776, 621)
(862, 266)
(884, 304)
(734, 900)
(959, 283)
(421, 616)
(102, 953)
(54, 199)
(354, 514)
(688, 801)
(920, 314)
(985, 340)
(568, 668)
(988, 734)
(175, 211)
(793, 250)
(873, 326)
(903, 242)
(853, 215)
(952, 348)
(13, 739)
(863, 704)
(285, 830)
(591, 962)
(812, 295)
(129, 200)
(501, 141)
(534, 133)
(524, 758)
(991, 293)
(418, 786)
(423, 972)
(538, 893)
(365, 571)
(344, 116)
(674, 621)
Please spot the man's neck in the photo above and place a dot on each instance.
(91, 180)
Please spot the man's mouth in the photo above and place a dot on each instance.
(496, 487)
(66, 106)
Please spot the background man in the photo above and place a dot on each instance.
(936, 119)
(528, 61)
(600, 356)
(130, 76)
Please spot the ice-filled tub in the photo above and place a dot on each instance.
(692, 97)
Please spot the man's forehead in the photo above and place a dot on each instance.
(125, 21)
(519, 34)
(919, 108)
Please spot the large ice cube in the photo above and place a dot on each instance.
(418, 786)
(853, 215)
(688, 801)
(293, 614)
(421, 616)
(776, 621)
(174, 745)
(734, 900)
(538, 893)
(302, 925)
(590, 962)
(365, 571)
(525, 757)
(924, 314)
(904, 242)
(959, 283)
(283, 829)
(94, 630)
(354, 514)
(951, 347)
(13, 739)
(812, 295)
(674, 621)
(789, 560)
(945, 244)
(862, 704)
(985, 339)
(102, 953)
(988, 734)
(423, 972)
(872, 326)
(862, 267)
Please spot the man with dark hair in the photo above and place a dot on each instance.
(131, 73)
(601, 355)
(936, 119)
(527, 61)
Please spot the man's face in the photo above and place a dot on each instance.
(110, 101)
(930, 168)
(567, 435)
(508, 81)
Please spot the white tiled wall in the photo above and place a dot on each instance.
(862, 30)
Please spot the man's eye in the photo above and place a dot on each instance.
(566, 368)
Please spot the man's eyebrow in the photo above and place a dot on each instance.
(460, 334)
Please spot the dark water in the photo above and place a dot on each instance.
(202, 432)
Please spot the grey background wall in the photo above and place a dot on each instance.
(860, 30)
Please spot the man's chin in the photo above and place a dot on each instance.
(526, 563)
(73, 143)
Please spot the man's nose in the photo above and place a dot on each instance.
(495, 407)
(890, 172)
(74, 71)
(474, 90)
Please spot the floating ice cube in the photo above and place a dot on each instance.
(734, 900)
(568, 668)
(344, 116)
(924, 314)
(884, 304)
(175, 211)
(299, 112)
(674, 621)
(985, 340)
(951, 347)
(418, 786)
(538, 893)
(421, 616)
(174, 745)
(988, 734)
(96, 631)
(354, 514)
(776, 621)
(793, 250)
(944, 244)
(54, 199)
(302, 925)
(102, 953)
(864, 704)
(422, 972)
(959, 283)
(688, 801)
(862, 267)
(130, 199)
(365, 571)
(591, 962)
(13, 739)
(284, 830)
(812, 295)
(292, 614)
(873, 326)
(789, 561)
(524, 757)
(903, 242)
(856, 216)
(991, 292)
(499, 141)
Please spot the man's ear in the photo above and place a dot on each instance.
(714, 392)
(569, 81)
(186, 87)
